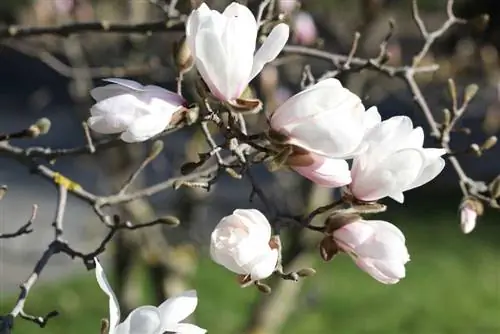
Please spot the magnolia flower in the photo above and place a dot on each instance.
(326, 119)
(223, 46)
(394, 161)
(376, 246)
(240, 242)
(137, 112)
(150, 319)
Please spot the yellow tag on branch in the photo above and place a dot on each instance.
(65, 182)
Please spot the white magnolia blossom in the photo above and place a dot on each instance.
(150, 319)
(395, 161)
(327, 120)
(468, 217)
(223, 47)
(240, 242)
(137, 112)
(377, 247)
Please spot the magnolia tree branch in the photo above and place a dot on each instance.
(232, 147)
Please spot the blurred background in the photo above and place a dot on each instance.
(453, 280)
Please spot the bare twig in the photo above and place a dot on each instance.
(25, 229)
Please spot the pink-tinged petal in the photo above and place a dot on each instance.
(372, 270)
(104, 92)
(114, 307)
(220, 256)
(304, 28)
(256, 221)
(156, 92)
(265, 266)
(177, 308)
(146, 127)
(142, 320)
(352, 235)
(328, 172)
(386, 227)
(271, 48)
(130, 84)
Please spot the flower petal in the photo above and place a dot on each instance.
(330, 173)
(114, 307)
(430, 172)
(271, 48)
(177, 308)
(130, 84)
(211, 62)
(146, 127)
(264, 266)
(104, 92)
(193, 24)
(142, 320)
(186, 329)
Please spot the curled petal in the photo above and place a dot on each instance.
(177, 308)
(130, 84)
(271, 48)
(142, 320)
(391, 274)
(114, 307)
(326, 172)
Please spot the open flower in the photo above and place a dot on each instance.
(150, 319)
(137, 112)
(223, 46)
(241, 243)
(376, 246)
(394, 161)
(326, 119)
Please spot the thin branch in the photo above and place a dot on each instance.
(25, 229)
(64, 30)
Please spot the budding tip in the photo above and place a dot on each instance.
(43, 125)
(156, 149)
(169, 220)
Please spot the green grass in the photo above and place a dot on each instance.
(452, 287)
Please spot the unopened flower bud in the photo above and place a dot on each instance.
(306, 272)
(489, 143)
(183, 57)
(328, 248)
(264, 288)
(169, 220)
(469, 210)
(41, 127)
(470, 91)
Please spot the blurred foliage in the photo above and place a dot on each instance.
(452, 286)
